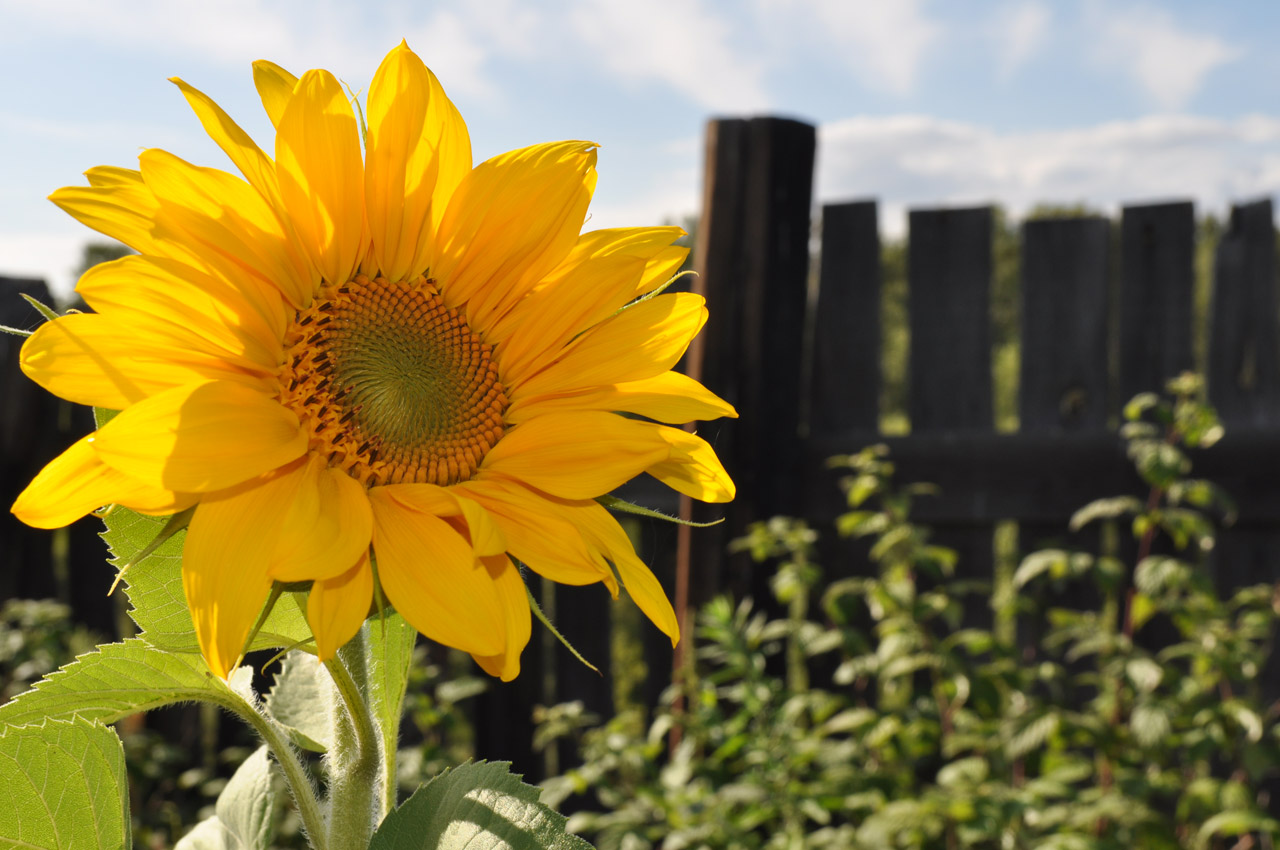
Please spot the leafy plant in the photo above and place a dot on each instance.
(885, 723)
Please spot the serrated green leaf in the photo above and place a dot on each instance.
(64, 786)
(301, 700)
(154, 587)
(474, 806)
(117, 680)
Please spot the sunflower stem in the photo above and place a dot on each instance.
(356, 772)
(300, 787)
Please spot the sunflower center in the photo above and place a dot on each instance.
(394, 385)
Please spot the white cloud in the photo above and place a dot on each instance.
(910, 160)
(1168, 62)
(51, 256)
(883, 43)
(1019, 30)
(678, 42)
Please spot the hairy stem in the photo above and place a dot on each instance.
(295, 774)
(355, 789)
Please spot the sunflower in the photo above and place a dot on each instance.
(374, 371)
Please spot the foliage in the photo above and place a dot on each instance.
(1138, 722)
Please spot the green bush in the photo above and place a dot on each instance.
(885, 724)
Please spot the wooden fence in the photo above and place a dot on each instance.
(1107, 311)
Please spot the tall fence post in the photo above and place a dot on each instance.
(753, 261)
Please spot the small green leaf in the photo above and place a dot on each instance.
(300, 701)
(1143, 609)
(64, 786)
(473, 806)
(6, 329)
(1105, 509)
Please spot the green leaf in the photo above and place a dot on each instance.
(243, 819)
(391, 642)
(117, 680)
(1143, 609)
(473, 806)
(1111, 508)
(1150, 724)
(1234, 823)
(64, 786)
(6, 329)
(247, 804)
(154, 587)
(300, 701)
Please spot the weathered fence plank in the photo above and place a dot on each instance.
(1244, 360)
(752, 257)
(1157, 248)
(949, 268)
(844, 392)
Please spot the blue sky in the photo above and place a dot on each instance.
(918, 103)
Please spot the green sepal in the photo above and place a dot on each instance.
(613, 503)
(542, 618)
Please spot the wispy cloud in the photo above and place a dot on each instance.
(912, 160)
(1168, 61)
(1020, 30)
(682, 43)
(883, 44)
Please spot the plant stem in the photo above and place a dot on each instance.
(355, 787)
(304, 793)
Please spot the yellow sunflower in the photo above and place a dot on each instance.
(387, 367)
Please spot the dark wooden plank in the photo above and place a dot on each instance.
(1157, 248)
(28, 440)
(1244, 361)
(949, 267)
(1065, 289)
(845, 379)
(1064, 376)
(752, 255)
(949, 298)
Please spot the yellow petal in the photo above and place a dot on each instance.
(337, 607)
(327, 524)
(401, 166)
(255, 165)
(537, 532)
(511, 221)
(118, 204)
(578, 455)
(600, 250)
(224, 570)
(95, 360)
(235, 230)
(693, 469)
(670, 397)
(76, 482)
(553, 315)
(644, 340)
(486, 536)
(201, 437)
(515, 605)
(192, 309)
(453, 152)
(431, 576)
(275, 86)
(603, 532)
(321, 175)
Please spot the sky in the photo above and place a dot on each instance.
(917, 103)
